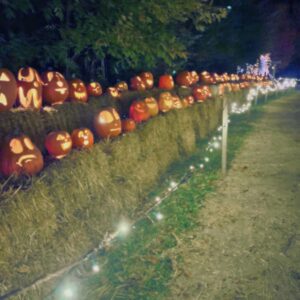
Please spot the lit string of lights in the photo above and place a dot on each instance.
(68, 289)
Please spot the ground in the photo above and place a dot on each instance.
(247, 244)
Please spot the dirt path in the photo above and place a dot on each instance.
(247, 245)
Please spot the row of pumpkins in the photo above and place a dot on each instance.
(30, 89)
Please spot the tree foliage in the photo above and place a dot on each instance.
(86, 36)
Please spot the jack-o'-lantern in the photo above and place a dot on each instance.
(152, 105)
(184, 103)
(221, 89)
(29, 88)
(121, 86)
(82, 138)
(107, 123)
(206, 78)
(138, 111)
(113, 92)
(189, 99)
(165, 102)
(77, 91)
(8, 89)
(176, 102)
(226, 77)
(207, 91)
(199, 94)
(128, 125)
(137, 84)
(184, 79)
(58, 144)
(94, 89)
(148, 79)
(55, 87)
(166, 82)
(20, 156)
(235, 87)
(195, 77)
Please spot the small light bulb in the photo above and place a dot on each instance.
(96, 269)
(173, 184)
(123, 228)
(68, 293)
(192, 168)
(159, 216)
(206, 159)
(157, 199)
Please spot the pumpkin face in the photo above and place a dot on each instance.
(29, 88)
(94, 89)
(137, 84)
(148, 79)
(176, 102)
(166, 82)
(189, 99)
(184, 103)
(55, 87)
(199, 94)
(139, 112)
(121, 86)
(165, 102)
(195, 77)
(152, 105)
(77, 91)
(184, 79)
(107, 123)
(206, 78)
(20, 156)
(58, 144)
(207, 91)
(82, 138)
(8, 89)
(128, 125)
(113, 92)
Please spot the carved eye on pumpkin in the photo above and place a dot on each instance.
(105, 117)
(8, 89)
(82, 138)
(4, 77)
(16, 146)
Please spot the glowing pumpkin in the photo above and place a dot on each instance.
(195, 77)
(152, 105)
(176, 102)
(184, 79)
(121, 86)
(55, 87)
(29, 88)
(137, 84)
(207, 91)
(138, 111)
(58, 144)
(128, 125)
(190, 100)
(199, 94)
(113, 92)
(165, 102)
(166, 82)
(77, 91)
(206, 78)
(185, 103)
(20, 156)
(147, 78)
(8, 89)
(82, 138)
(94, 89)
(107, 123)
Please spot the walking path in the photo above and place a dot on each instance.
(247, 244)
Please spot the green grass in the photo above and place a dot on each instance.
(142, 265)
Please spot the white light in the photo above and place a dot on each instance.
(159, 216)
(201, 166)
(206, 159)
(157, 199)
(211, 150)
(217, 145)
(192, 168)
(96, 269)
(173, 184)
(68, 293)
(124, 228)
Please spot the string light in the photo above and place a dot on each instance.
(159, 216)
(96, 268)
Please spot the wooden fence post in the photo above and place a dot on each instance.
(224, 134)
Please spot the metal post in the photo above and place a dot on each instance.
(224, 135)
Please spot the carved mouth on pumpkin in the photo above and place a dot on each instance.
(114, 129)
(79, 95)
(25, 158)
(61, 90)
(66, 145)
(3, 99)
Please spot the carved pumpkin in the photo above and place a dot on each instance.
(185, 103)
(8, 89)
(29, 88)
(20, 156)
(58, 144)
(121, 86)
(152, 105)
(107, 123)
(165, 102)
(94, 89)
(113, 92)
(77, 91)
(128, 125)
(184, 79)
(137, 84)
(166, 82)
(190, 100)
(55, 87)
(206, 78)
(148, 79)
(82, 138)
(207, 91)
(195, 77)
(176, 102)
(138, 111)
(199, 94)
